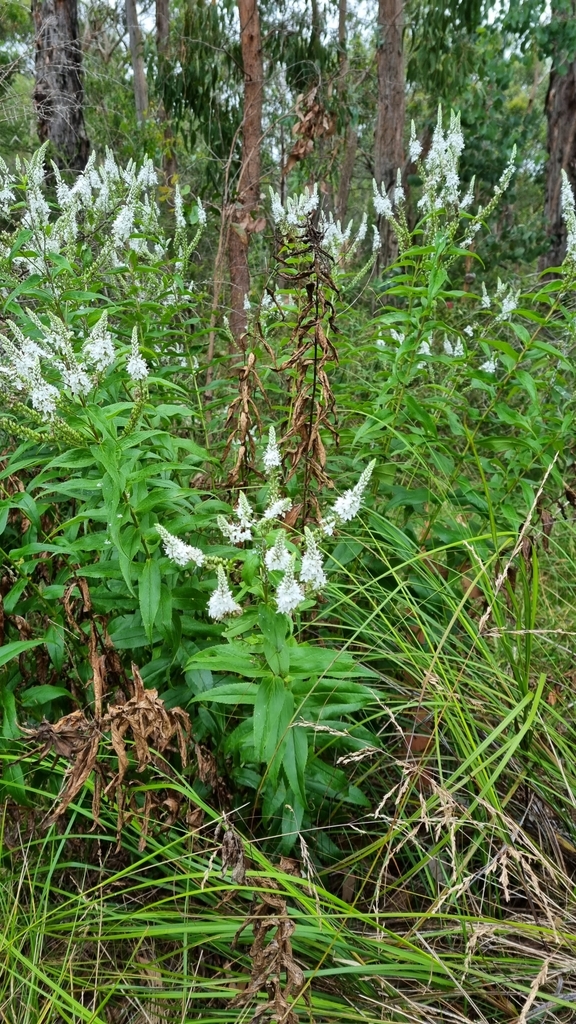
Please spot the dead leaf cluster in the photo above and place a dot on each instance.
(314, 122)
(153, 730)
(271, 959)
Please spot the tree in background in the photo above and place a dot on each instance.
(137, 57)
(561, 116)
(58, 92)
(391, 110)
(242, 223)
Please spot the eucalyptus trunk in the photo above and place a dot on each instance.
(58, 92)
(137, 58)
(169, 165)
(248, 197)
(561, 115)
(388, 148)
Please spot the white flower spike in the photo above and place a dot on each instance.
(272, 458)
(289, 593)
(178, 550)
(222, 603)
(348, 504)
(312, 570)
(136, 365)
(278, 557)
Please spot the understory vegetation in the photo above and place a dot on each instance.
(286, 622)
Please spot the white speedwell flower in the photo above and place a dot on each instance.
(569, 212)
(222, 601)
(289, 593)
(278, 556)
(178, 550)
(136, 365)
(348, 504)
(312, 570)
(382, 204)
(277, 508)
(272, 457)
(99, 346)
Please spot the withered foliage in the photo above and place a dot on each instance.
(144, 719)
(271, 958)
(242, 416)
(314, 122)
(313, 406)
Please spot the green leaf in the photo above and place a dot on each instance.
(230, 658)
(274, 629)
(149, 593)
(268, 708)
(230, 693)
(15, 649)
(294, 760)
(43, 695)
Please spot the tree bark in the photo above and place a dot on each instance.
(561, 115)
(137, 57)
(351, 135)
(58, 93)
(388, 149)
(242, 224)
(169, 165)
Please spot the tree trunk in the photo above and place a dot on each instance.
(351, 135)
(169, 165)
(58, 93)
(241, 224)
(561, 114)
(389, 150)
(136, 54)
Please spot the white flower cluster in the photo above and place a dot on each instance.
(297, 210)
(121, 196)
(454, 349)
(338, 240)
(348, 504)
(440, 169)
(7, 197)
(569, 211)
(507, 297)
(136, 365)
(44, 368)
(277, 557)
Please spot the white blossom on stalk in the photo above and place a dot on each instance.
(376, 240)
(382, 204)
(469, 330)
(485, 301)
(201, 214)
(222, 601)
(454, 349)
(278, 556)
(136, 365)
(272, 458)
(179, 218)
(414, 146)
(399, 194)
(490, 365)
(244, 510)
(348, 504)
(569, 211)
(509, 304)
(6, 194)
(277, 508)
(123, 225)
(289, 593)
(298, 208)
(178, 550)
(312, 570)
(75, 378)
(99, 345)
(328, 526)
